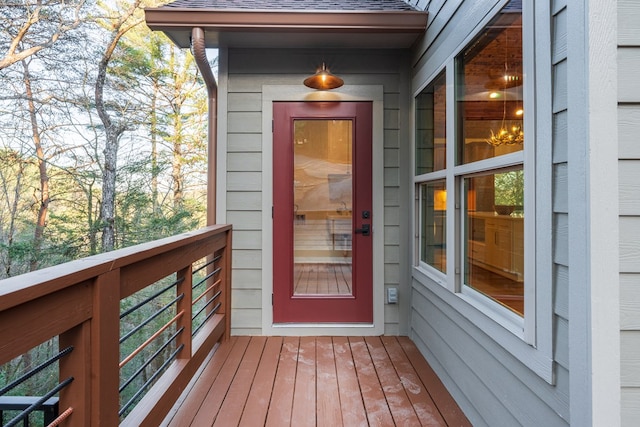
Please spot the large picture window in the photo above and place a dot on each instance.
(485, 173)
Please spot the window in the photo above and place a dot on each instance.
(485, 173)
(431, 152)
(483, 182)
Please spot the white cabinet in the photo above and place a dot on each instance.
(502, 251)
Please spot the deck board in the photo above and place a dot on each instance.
(303, 412)
(351, 404)
(257, 406)
(234, 402)
(394, 391)
(282, 398)
(218, 391)
(328, 411)
(188, 407)
(316, 381)
(378, 411)
(423, 404)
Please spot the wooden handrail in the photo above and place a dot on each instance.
(80, 301)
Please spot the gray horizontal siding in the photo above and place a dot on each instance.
(248, 71)
(629, 196)
(486, 372)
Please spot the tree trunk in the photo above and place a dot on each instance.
(93, 230)
(113, 131)
(13, 209)
(42, 199)
(155, 170)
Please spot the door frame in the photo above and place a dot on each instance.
(375, 94)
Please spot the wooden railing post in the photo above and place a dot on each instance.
(226, 284)
(185, 286)
(76, 364)
(105, 350)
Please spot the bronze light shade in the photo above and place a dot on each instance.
(323, 80)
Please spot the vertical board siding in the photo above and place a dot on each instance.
(492, 386)
(248, 71)
(629, 196)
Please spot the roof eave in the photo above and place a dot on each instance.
(172, 20)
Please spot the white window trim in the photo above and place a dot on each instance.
(529, 339)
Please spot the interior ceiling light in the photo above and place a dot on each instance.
(506, 81)
(323, 80)
(509, 133)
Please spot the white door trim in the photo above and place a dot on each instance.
(374, 93)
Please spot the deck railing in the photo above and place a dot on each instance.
(79, 303)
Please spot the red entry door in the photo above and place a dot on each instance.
(322, 216)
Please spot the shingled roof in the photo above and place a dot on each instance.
(293, 4)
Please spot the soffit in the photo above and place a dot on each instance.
(291, 23)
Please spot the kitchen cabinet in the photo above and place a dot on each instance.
(502, 248)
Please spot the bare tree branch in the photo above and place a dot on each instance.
(19, 39)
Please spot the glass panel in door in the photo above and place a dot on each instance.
(323, 205)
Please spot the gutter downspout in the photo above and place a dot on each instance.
(200, 55)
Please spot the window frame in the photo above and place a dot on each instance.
(529, 338)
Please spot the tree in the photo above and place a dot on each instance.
(13, 168)
(30, 26)
(113, 127)
(42, 196)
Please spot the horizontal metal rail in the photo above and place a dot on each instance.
(150, 380)
(208, 263)
(150, 318)
(151, 359)
(150, 298)
(213, 311)
(207, 277)
(35, 370)
(36, 405)
(149, 340)
(206, 305)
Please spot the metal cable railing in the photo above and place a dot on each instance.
(26, 405)
(150, 298)
(35, 370)
(150, 381)
(208, 263)
(144, 363)
(198, 306)
(150, 318)
(153, 357)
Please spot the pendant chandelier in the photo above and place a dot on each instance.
(510, 132)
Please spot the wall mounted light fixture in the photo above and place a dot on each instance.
(323, 80)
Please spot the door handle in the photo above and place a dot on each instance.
(365, 230)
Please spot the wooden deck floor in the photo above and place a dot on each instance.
(316, 381)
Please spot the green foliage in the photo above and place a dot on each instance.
(154, 89)
(509, 188)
